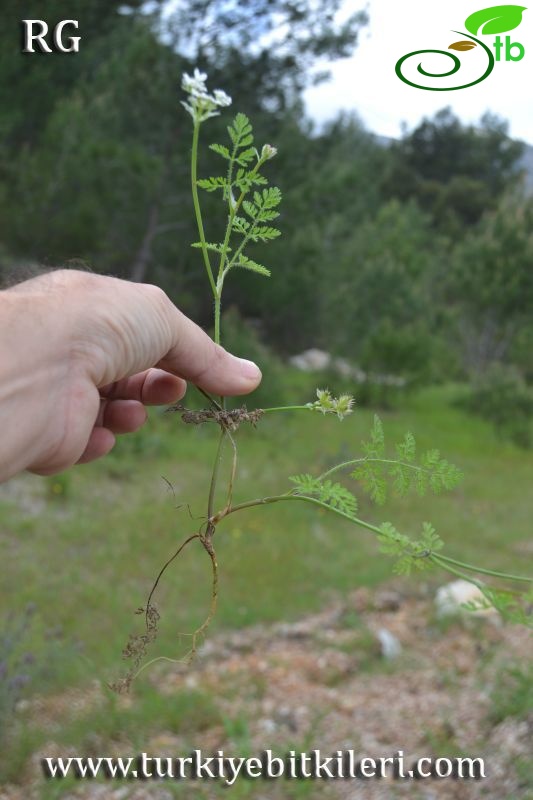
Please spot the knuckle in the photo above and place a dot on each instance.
(156, 293)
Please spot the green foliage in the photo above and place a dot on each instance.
(409, 553)
(406, 351)
(512, 693)
(259, 207)
(432, 472)
(514, 607)
(240, 133)
(491, 283)
(457, 172)
(502, 397)
(375, 472)
(332, 494)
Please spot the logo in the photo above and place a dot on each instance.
(487, 22)
(34, 32)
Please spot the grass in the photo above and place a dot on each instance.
(88, 560)
(512, 693)
(85, 547)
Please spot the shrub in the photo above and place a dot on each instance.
(503, 398)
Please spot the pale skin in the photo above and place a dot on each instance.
(82, 355)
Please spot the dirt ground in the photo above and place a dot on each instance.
(324, 682)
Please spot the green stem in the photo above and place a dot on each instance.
(217, 315)
(290, 496)
(436, 559)
(286, 408)
(445, 562)
(366, 460)
(196, 203)
(214, 475)
(482, 571)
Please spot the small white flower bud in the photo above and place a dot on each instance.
(268, 152)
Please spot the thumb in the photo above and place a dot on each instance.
(195, 357)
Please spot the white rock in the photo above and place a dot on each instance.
(390, 645)
(311, 360)
(450, 598)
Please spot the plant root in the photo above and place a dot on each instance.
(138, 644)
(228, 420)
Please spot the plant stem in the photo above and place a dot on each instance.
(196, 203)
(223, 269)
(366, 460)
(285, 408)
(233, 209)
(483, 571)
(445, 562)
(214, 475)
(218, 297)
(436, 559)
(313, 500)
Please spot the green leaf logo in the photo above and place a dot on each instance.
(496, 19)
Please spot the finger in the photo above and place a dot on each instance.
(122, 416)
(101, 441)
(195, 357)
(151, 387)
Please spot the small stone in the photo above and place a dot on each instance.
(390, 645)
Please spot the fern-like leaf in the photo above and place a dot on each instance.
(212, 184)
(215, 247)
(371, 476)
(221, 150)
(248, 263)
(375, 448)
(264, 233)
(240, 131)
(332, 494)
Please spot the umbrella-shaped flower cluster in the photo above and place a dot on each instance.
(200, 104)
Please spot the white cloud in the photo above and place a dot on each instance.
(367, 82)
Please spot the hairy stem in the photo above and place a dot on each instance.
(196, 203)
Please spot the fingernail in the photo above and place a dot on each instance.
(249, 369)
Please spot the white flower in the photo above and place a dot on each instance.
(196, 84)
(221, 98)
(201, 105)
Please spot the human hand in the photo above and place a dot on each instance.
(81, 355)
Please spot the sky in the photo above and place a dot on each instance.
(367, 82)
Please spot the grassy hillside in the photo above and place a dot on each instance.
(80, 552)
(85, 548)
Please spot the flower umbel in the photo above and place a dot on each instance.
(202, 105)
(327, 404)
